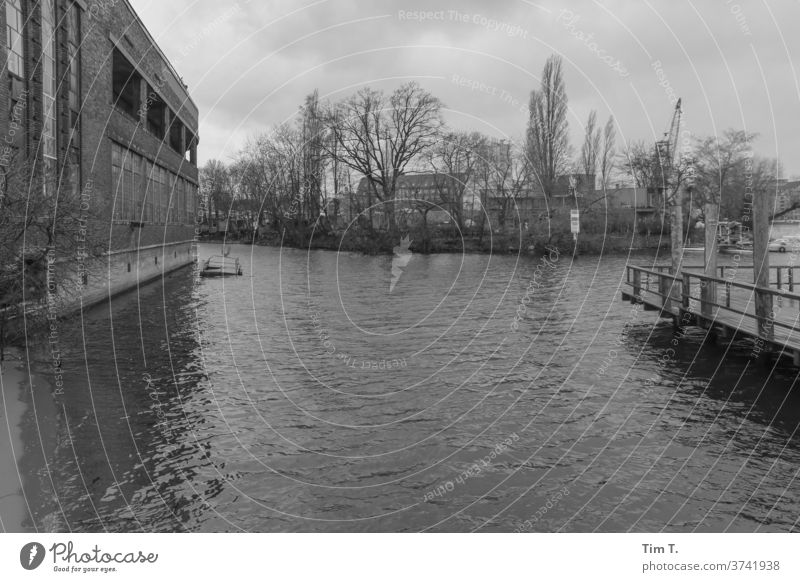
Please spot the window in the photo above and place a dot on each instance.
(126, 84)
(49, 94)
(74, 93)
(74, 170)
(149, 193)
(73, 53)
(128, 196)
(176, 134)
(169, 216)
(164, 196)
(140, 191)
(116, 180)
(190, 155)
(14, 37)
(158, 194)
(156, 110)
(180, 202)
(191, 197)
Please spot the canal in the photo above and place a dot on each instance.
(331, 391)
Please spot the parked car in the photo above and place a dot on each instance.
(784, 244)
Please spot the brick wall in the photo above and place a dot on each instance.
(104, 23)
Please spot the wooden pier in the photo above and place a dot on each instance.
(724, 306)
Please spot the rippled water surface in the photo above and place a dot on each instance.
(483, 392)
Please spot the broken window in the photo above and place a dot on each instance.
(126, 82)
(176, 134)
(191, 148)
(156, 110)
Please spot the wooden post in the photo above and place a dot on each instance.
(681, 319)
(676, 233)
(708, 291)
(637, 285)
(665, 290)
(676, 243)
(687, 292)
(762, 206)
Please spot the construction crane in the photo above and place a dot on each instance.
(666, 151)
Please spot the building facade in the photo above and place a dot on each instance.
(91, 101)
(442, 196)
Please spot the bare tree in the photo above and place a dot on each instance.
(216, 187)
(510, 180)
(608, 153)
(378, 137)
(547, 145)
(720, 170)
(484, 174)
(312, 131)
(640, 164)
(456, 155)
(590, 150)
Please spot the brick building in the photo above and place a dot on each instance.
(90, 99)
(443, 195)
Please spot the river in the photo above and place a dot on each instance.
(329, 391)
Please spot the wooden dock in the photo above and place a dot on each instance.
(724, 306)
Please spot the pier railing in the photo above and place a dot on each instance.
(655, 287)
(772, 314)
(781, 277)
(713, 299)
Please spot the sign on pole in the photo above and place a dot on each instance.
(575, 221)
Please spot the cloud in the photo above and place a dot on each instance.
(250, 64)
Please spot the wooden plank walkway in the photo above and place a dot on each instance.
(724, 306)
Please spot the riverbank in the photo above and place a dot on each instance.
(587, 244)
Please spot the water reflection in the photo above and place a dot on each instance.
(311, 395)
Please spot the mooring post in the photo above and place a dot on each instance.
(637, 285)
(762, 206)
(708, 291)
(687, 291)
(676, 243)
(665, 285)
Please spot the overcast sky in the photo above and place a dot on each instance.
(249, 64)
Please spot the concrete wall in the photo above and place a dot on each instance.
(116, 273)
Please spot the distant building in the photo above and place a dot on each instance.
(515, 203)
(442, 195)
(105, 116)
(788, 194)
(640, 199)
(508, 202)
